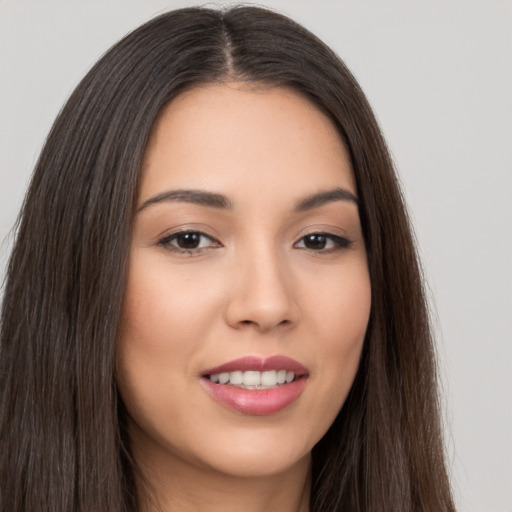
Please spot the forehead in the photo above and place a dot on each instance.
(235, 137)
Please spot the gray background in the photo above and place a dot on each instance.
(439, 77)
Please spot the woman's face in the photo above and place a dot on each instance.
(248, 292)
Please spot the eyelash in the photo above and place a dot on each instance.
(339, 242)
(166, 242)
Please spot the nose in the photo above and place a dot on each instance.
(261, 293)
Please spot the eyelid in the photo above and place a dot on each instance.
(187, 227)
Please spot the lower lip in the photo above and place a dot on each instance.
(256, 402)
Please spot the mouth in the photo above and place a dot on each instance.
(251, 379)
(256, 386)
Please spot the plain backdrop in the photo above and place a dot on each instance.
(439, 77)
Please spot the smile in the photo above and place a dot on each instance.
(256, 386)
(254, 379)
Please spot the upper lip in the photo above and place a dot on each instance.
(261, 364)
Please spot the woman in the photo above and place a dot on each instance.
(214, 299)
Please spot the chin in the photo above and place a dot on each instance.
(259, 464)
(262, 450)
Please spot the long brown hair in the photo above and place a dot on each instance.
(62, 432)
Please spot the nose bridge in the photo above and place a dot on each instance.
(262, 288)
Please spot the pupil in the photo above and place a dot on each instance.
(189, 240)
(315, 241)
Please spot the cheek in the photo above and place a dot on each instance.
(341, 306)
(341, 321)
(161, 309)
(162, 325)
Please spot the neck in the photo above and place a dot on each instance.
(175, 485)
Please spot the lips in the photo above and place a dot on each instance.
(254, 363)
(256, 386)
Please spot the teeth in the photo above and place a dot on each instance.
(250, 379)
(223, 378)
(254, 379)
(236, 378)
(269, 378)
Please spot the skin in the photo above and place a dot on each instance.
(254, 286)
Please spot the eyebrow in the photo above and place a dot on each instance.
(190, 196)
(327, 196)
(219, 201)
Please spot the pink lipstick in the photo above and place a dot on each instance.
(255, 385)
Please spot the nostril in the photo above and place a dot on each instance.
(283, 323)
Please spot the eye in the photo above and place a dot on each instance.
(188, 242)
(323, 242)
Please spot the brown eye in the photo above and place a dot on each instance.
(315, 241)
(188, 242)
(323, 242)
